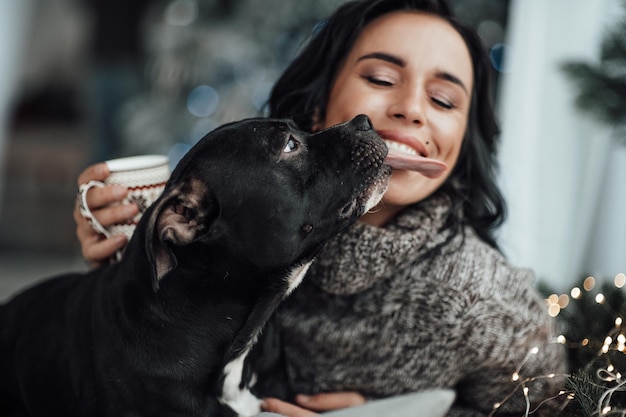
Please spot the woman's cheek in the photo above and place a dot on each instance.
(448, 141)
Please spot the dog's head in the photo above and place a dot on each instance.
(266, 194)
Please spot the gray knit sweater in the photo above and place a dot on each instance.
(412, 306)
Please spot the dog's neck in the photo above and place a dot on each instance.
(198, 299)
(208, 301)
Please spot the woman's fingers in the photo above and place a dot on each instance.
(331, 400)
(320, 402)
(98, 197)
(96, 172)
(275, 405)
(97, 250)
(118, 214)
(103, 202)
(106, 217)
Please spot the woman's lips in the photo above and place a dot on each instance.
(402, 139)
(407, 153)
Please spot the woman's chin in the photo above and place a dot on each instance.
(408, 187)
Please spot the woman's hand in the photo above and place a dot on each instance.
(320, 402)
(96, 249)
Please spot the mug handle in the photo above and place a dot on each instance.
(84, 208)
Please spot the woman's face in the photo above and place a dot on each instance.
(412, 74)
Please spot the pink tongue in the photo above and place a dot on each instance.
(428, 167)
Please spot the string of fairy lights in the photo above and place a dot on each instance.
(615, 340)
(522, 384)
(556, 302)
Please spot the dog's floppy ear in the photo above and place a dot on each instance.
(179, 218)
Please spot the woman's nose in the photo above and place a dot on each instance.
(409, 106)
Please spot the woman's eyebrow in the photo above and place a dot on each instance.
(385, 57)
(446, 76)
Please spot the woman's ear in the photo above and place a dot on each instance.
(316, 122)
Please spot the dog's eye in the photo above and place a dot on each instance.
(291, 145)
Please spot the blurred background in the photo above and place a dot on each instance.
(88, 80)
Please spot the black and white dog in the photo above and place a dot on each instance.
(166, 331)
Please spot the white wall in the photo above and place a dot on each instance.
(563, 177)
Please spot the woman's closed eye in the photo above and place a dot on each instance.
(447, 96)
(442, 102)
(384, 82)
(444, 98)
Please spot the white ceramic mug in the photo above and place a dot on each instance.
(144, 176)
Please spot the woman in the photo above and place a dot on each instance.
(416, 295)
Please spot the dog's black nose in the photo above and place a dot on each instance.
(362, 122)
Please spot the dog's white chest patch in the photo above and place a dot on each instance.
(241, 400)
(296, 276)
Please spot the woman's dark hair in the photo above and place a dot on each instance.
(302, 93)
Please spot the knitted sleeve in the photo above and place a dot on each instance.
(514, 361)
